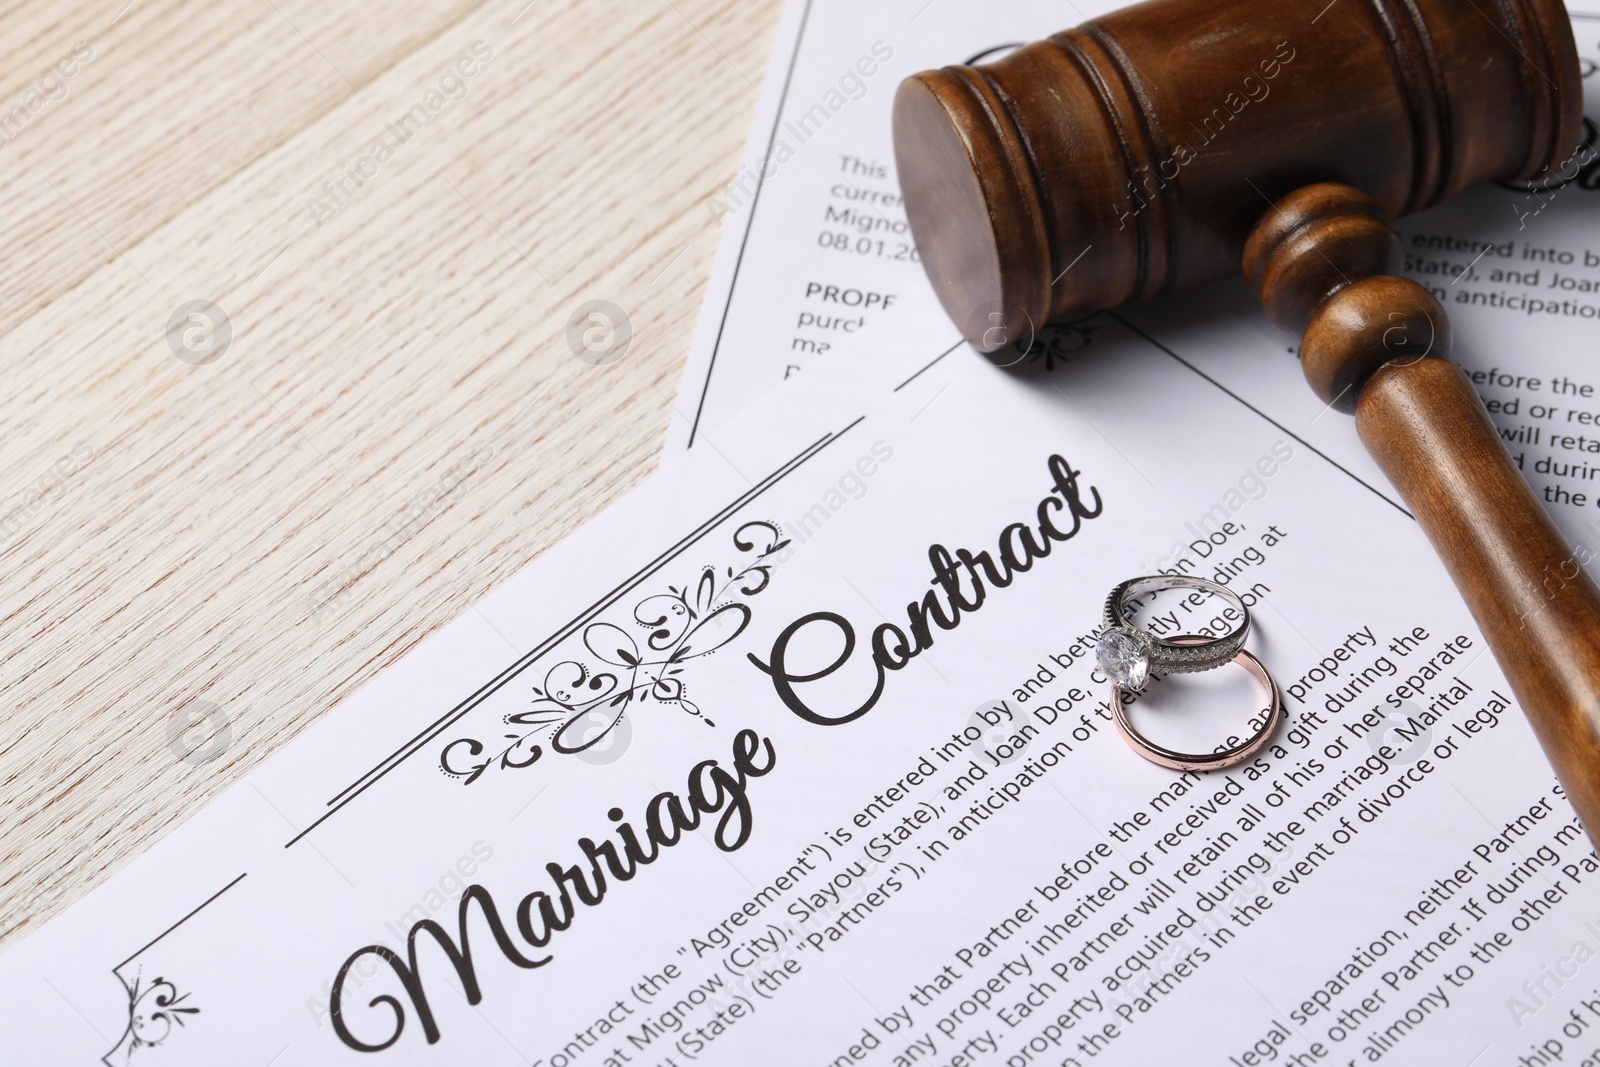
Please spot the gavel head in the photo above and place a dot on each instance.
(1134, 155)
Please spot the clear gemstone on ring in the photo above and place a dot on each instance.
(1124, 657)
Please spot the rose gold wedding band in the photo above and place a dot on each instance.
(1216, 761)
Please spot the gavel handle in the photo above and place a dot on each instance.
(1527, 589)
(1323, 259)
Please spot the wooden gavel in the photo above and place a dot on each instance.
(1169, 143)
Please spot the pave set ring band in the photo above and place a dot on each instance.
(1129, 656)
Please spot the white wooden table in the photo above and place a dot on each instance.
(201, 558)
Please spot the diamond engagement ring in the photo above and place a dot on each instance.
(1128, 655)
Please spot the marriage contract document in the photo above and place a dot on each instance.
(799, 755)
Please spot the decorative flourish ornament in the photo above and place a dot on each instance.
(585, 696)
(155, 1012)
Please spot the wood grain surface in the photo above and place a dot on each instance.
(201, 560)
